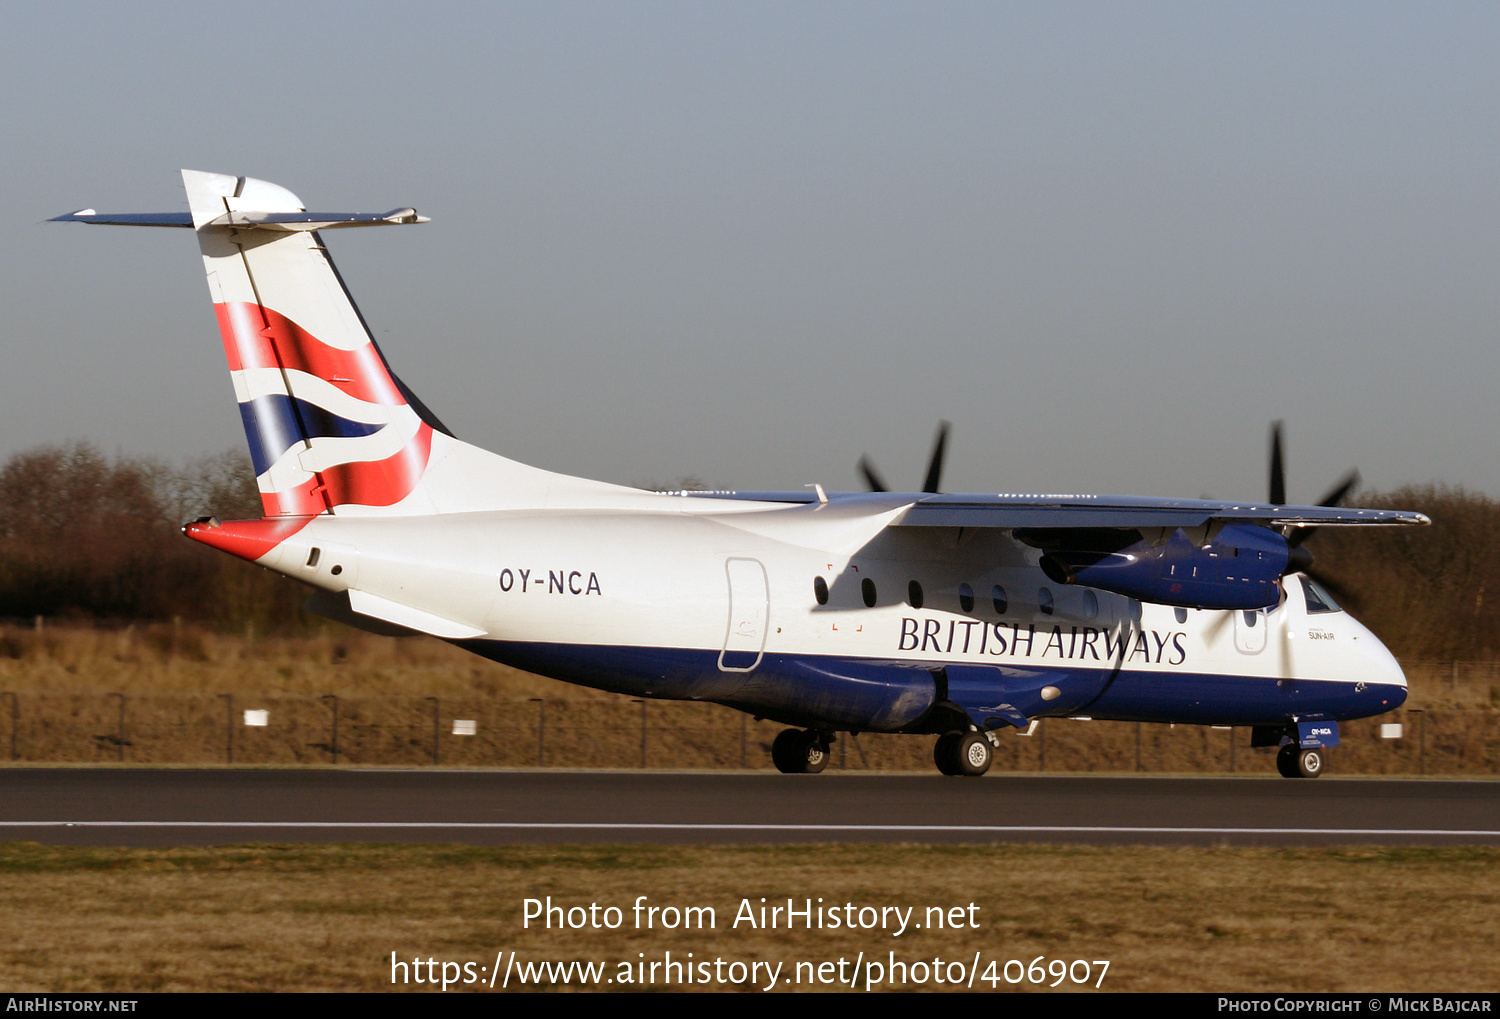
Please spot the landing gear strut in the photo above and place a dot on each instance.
(799, 752)
(963, 753)
(1294, 762)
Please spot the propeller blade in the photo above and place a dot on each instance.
(1278, 470)
(935, 464)
(1345, 596)
(1299, 559)
(1335, 496)
(872, 478)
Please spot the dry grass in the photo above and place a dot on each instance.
(61, 691)
(158, 660)
(329, 917)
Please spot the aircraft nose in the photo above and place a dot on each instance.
(1382, 671)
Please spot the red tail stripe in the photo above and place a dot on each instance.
(367, 483)
(249, 344)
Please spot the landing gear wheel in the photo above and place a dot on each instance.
(1294, 762)
(799, 752)
(785, 750)
(974, 754)
(815, 755)
(1286, 761)
(944, 753)
(962, 753)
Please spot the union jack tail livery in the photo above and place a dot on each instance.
(331, 429)
(329, 425)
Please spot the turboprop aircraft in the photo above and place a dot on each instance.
(951, 615)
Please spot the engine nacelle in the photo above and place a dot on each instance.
(1239, 569)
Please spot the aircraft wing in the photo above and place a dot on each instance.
(1105, 511)
(1010, 511)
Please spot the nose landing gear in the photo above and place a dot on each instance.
(1294, 762)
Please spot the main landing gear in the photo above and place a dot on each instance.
(800, 752)
(1294, 762)
(963, 753)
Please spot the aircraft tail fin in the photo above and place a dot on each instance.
(331, 429)
(328, 423)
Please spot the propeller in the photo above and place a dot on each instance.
(1301, 559)
(875, 482)
(934, 477)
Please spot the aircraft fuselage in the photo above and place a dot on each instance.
(696, 601)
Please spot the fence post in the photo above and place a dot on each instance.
(643, 733)
(335, 744)
(15, 721)
(228, 727)
(541, 729)
(744, 740)
(1231, 750)
(436, 728)
(863, 760)
(1422, 732)
(1041, 746)
(120, 731)
(1138, 745)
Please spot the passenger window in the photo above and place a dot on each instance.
(966, 597)
(1044, 601)
(867, 588)
(1180, 613)
(1250, 618)
(820, 590)
(997, 595)
(1090, 605)
(914, 594)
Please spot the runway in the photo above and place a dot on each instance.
(160, 807)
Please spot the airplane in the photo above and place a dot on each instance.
(955, 616)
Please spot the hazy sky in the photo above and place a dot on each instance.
(1109, 242)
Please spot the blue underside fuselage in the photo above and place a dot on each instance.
(872, 695)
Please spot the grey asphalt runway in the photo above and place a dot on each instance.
(158, 807)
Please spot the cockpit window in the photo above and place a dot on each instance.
(1318, 600)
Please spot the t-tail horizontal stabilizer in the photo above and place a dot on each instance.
(281, 222)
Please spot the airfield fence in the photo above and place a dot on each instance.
(619, 732)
